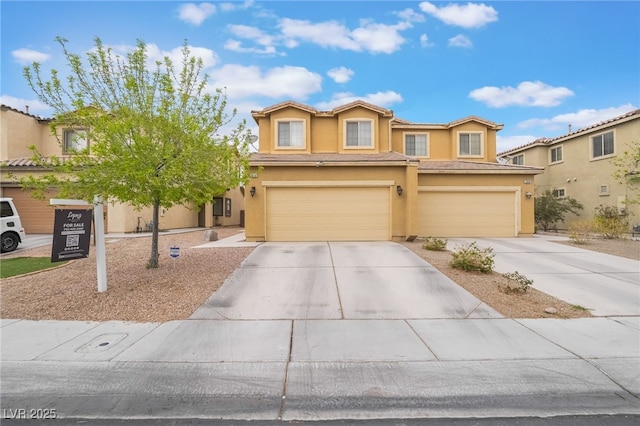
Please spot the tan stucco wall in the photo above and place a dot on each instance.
(443, 143)
(255, 206)
(527, 224)
(581, 177)
(18, 132)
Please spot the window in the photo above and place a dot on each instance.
(291, 134)
(359, 134)
(470, 145)
(6, 210)
(602, 145)
(75, 140)
(518, 160)
(603, 190)
(556, 154)
(416, 145)
(559, 192)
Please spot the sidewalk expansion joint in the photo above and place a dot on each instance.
(335, 278)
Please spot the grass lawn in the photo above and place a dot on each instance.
(24, 265)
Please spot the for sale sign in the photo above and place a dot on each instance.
(71, 235)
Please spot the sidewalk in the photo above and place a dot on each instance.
(323, 369)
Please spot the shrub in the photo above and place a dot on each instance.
(580, 231)
(550, 209)
(609, 222)
(434, 244)
(471, 258)
(518, 283)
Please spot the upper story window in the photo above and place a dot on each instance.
(75, 140)
(518, 160)
(359, 133)
(602, 145)
(470, 144)
(555, 154)
(559, 193)
(416, 145)
(291, 134)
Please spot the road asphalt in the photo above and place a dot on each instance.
(356, 348)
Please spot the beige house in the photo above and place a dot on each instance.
(359, 173)
(580, 165)
(19, 130)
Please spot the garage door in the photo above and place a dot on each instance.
(467, 214)
(36, 216)
(328, 214)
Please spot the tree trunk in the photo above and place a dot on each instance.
(153, 260)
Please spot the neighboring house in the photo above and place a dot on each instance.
(359, 173)
(20, 130)
(580, 165)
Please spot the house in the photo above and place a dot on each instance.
(19, 130)
(581, 164)
(358, 173)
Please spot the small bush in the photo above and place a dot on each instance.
(581, 231)
(434, 244)
(471, 258)
(518, 283)
(609, 222)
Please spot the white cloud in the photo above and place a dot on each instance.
(28, 56)
(35, 107)
(471, 15)
(577, 120)
(370, 36)
(279, 82)
(505, 143)
(460, 41)
(528, 93)
(424, 41)
(383, 99)
(251, 33)
(340, 75)
(410, 15)
(228, 7)
(196, 14)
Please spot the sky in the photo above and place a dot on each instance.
(537, 67)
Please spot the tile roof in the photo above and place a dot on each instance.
(329, 158)
(550, 141)
(37, 117)
(460, 166)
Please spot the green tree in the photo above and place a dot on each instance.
(550, 209)
(153, 130)
(628, 170)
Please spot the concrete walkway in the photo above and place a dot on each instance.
(397, 355)
(323, 369)
(373, 280)
(606, 285)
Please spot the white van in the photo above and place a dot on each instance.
(12, 230)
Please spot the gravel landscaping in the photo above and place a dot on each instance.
(178, 287)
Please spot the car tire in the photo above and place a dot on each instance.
(9, 242)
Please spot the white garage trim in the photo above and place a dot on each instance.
(329, 183)
(515, 190)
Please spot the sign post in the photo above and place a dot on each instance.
(98, 213)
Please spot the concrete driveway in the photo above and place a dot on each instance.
(607, 285)
(339, 280)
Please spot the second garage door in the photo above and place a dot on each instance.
(467, 214)
(328, 214)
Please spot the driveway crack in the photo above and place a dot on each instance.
(335, 279)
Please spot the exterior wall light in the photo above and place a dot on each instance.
(527, 194)
(399, 190)
(252, 191)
